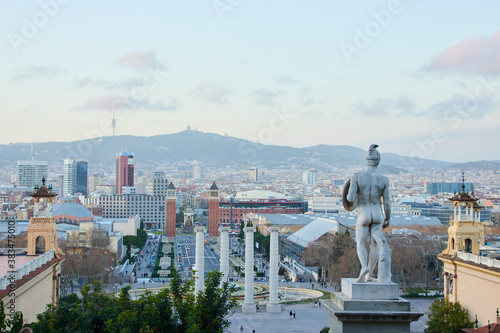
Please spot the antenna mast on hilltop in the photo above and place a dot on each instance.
(113, 123)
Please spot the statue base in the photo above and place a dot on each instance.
(374, 308)
(369, 290)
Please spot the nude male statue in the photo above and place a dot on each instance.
(364, 191)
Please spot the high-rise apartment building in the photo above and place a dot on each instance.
(124, 171)
(197, 173)
(94, 182)
(158, 184)
(253, 174)
(310, 177)
(75, 177)
(30, 173)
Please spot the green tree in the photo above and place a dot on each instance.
(143, 236)
(447, 317)
(213, 304)
(183, 300)
(3, 322)
(15, 323)
(173, 309)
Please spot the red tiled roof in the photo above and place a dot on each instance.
(495, 328)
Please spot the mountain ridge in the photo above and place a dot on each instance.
(210, 149)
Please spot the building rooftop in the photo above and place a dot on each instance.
(348, 220)
(313, 231)
(256, 195)
(70, 209)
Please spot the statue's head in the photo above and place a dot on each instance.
(372, 156)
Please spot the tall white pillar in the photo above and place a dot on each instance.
(224, 253)
(199, 262)
(248, 305)
(273, 305)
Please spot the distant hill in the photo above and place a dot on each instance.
(208, 148)
(478, 165)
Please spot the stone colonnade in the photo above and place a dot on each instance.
(249, 305)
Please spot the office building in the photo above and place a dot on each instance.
(30, 173)
(150, 208)
(442, 187)
(310, 177)
(253, 174)
(94, 182)
(158, 184)
(324, 204)
(124, 171)
(75, 177)
(197, 173)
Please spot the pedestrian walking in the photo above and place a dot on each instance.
(293, 314)
(241, 328)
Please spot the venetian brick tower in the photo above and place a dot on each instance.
(213, 212)
(170, 213)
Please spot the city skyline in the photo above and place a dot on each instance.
(418, 78)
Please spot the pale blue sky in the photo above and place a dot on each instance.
(227, 66)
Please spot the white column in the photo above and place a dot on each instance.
(249, 305)
(224, 253)
(273, 304)
(199, 262)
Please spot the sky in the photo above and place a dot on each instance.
(419, 78)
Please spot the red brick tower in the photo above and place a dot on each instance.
(171, 213)
(213, 212)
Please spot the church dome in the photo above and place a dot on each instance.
(286, 230)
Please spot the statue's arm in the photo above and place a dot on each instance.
(387, 203)
(353, 189)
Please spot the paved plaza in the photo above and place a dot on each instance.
(308, 318)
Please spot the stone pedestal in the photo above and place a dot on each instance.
(369, 307)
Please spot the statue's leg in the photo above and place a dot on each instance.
(372, 260)
(384, 257)
(361, 237)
